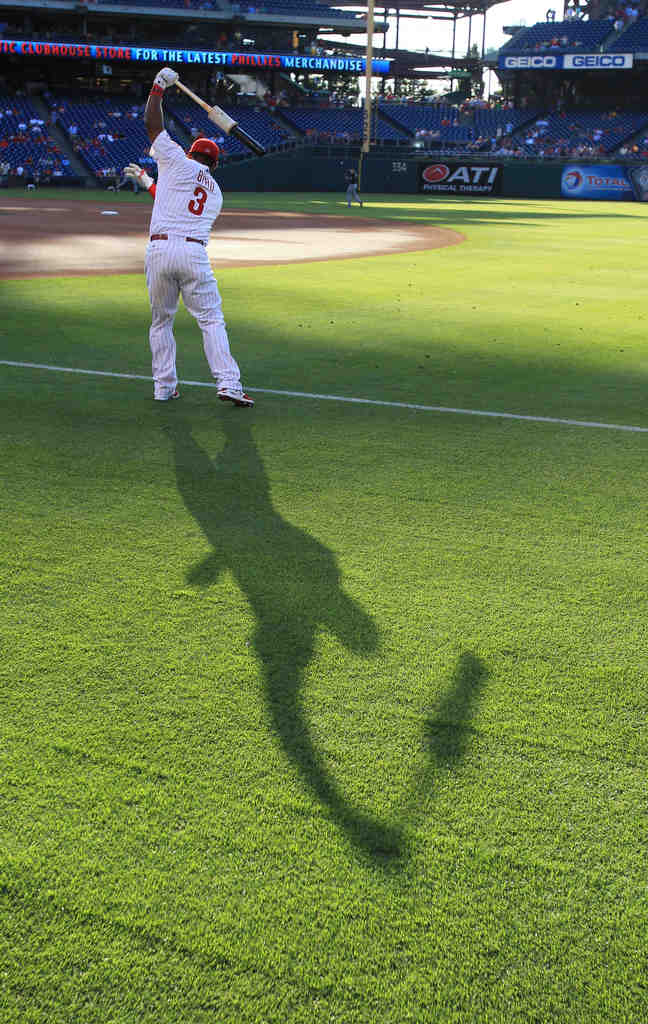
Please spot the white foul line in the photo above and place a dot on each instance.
(344, 398)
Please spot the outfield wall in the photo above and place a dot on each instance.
(303, 171)
(299, 171)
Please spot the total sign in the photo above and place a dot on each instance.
(465, 179)
(596, 181)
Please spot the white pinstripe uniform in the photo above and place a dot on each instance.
(187, 202)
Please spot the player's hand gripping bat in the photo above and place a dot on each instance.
(224, 121)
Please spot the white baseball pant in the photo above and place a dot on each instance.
(173, 267)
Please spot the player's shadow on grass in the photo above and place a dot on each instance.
(293, 586)
(447, 732)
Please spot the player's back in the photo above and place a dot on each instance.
(187, 199)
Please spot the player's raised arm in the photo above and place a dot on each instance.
(153, 116)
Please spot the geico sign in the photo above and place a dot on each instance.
(597, 60)
(531, 62)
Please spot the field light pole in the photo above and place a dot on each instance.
(366, 130)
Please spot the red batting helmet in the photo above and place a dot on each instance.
(208, 147)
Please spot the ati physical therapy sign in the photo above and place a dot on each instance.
(568, 62)
(119, 51)
(461, 179)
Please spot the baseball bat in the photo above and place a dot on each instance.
(224, 121)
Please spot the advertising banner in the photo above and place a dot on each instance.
(461, 179)
(597, 61)
(567, 62)
(596, 181)
(639, 182)
(128, 52)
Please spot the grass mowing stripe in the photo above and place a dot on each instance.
(592, 424)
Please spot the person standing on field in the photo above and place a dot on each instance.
(187, 202)
(351, 178)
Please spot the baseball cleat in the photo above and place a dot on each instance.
(235, 395)
(167, 398)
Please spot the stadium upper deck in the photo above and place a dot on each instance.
(606, 35)
(301, 12)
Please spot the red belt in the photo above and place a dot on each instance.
(164, 238)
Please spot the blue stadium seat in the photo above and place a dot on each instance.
(337, 124)
(31, 147)
(634, 38)
(261, 124)
(586, 36)
(109, 133)
(604, 131)
(438, 123)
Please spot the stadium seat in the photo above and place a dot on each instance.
(109, 133)
(261, 124)
(635, 37)
(570, 131)
(560, 37)
(339, 124)
(29, 145)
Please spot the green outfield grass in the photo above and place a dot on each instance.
(328, 712)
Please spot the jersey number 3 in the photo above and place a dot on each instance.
(197, 205)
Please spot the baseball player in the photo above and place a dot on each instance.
(129, 177)
(138, 176)
(187, 202)
(351, 178)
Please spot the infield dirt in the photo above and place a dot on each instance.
(76, 237)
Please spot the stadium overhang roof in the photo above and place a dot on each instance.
(409, 59)
(443, 9)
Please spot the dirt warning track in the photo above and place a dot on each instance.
(75, 237)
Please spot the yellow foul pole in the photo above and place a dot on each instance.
(366, 133)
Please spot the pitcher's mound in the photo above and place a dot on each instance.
(73, 237)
